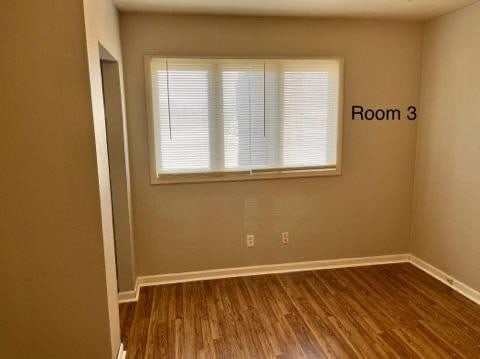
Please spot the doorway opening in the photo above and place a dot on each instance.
(118, 170)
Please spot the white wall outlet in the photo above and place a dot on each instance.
(285, 239)
(250, 240)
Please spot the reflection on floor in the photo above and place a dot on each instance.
(379, 311)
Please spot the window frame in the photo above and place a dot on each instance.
(233, 176)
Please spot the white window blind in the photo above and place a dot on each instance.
(238, 115)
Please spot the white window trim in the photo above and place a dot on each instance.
(320, 171)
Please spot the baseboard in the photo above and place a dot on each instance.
(130, 296)
(160, 279)
(122, 354)
(144, 281)
(453, 283)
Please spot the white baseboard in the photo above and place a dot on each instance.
(130, 296)
(160, 279)
(453, 283)
(122, 354)
(145, 281)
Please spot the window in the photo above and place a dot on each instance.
(234, 119)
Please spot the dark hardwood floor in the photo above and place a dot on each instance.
(369, 312)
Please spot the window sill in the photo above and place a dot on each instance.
(242, 176)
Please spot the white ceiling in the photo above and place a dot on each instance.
(402, 9)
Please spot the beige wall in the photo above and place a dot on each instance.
(364, 212)
(446, 232)
(53, 296)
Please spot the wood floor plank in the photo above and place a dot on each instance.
(385, 311)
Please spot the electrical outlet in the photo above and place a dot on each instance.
(285, 239)
(250, 240)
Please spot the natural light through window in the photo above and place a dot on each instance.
(244, 116)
